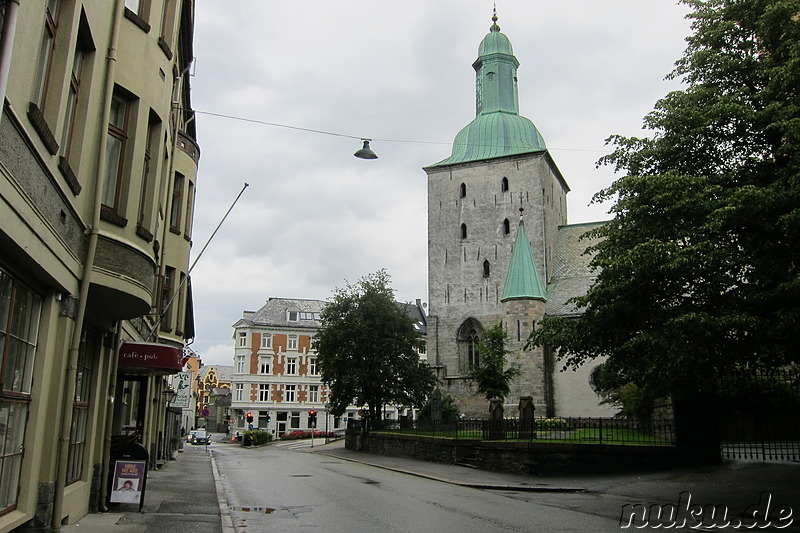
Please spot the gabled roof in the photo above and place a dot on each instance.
(522, 280)
(571, 273)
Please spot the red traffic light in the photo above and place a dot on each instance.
(312, 412)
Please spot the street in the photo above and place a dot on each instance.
(278, 488)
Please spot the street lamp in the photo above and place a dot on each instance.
(365, 152)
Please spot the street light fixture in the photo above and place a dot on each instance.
(365, 152)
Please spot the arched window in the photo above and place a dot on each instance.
(463, 190)
(463, 231)
(486, 268)
(473, 357)
(504, 185)
(506, 227)
(469, 333)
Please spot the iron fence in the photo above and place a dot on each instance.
(627, 431)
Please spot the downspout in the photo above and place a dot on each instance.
(86, 278)
(112, 391)
(544, 246)
(6, 47)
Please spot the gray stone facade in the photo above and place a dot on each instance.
(467, 271)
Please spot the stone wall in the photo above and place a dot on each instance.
(529, 458)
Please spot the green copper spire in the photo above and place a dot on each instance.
(522, 280)
(498, 129)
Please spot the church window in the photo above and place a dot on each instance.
(504, 185)
(463, 190)
(490, 75)
(486, 269)
(473, 357)
(463, 231)
(506, 227)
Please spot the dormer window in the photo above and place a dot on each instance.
(292, 316)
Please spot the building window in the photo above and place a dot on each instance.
(473, 358)
(187, 230)
(463, 231)
(72, 100)
(147, 173)
(46, 53)
(263, 365)
(263, 392)
(291, 366)
(294, 420)
(486, 268)
(506, 227)
(115, 151)
(313, 393)
(292, 342)
(166, 298)
(266, 340)
(177, 202)
(290, 393)
(309, 316)
(312, 366)
(80, 406)
(240, 364)
(422, 349)
(292, 316)
(242, 338)
(463, 190)
(238, 392)
(504, 185)
(20, 309)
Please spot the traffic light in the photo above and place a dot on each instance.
(312, 418)
(269, 417)
(250, 418)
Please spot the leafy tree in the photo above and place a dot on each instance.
(450, 410)
(491, 376)
(697, 274)
(366, 349)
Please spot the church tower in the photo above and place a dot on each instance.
(500, 186)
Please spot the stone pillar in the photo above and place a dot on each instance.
(527, 424)
(496, 429)
(436, 405)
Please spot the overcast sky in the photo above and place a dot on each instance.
(399, 72)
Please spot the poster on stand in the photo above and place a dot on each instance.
(128, 481)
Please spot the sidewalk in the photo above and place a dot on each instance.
(182, 497)
(186, 495)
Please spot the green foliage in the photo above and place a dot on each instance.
(366, 349)
(254, 437)
(491, 376)
(551, 424)
(698, 274)
(450, 410)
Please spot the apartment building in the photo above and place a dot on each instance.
(275, 374)
(98, 165)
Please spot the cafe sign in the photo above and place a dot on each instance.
(149, 357)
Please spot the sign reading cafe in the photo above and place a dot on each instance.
(151, 357)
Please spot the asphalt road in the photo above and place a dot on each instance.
(283, 489)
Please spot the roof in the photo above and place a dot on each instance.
(498, 129)
(522, 280)
(223, 372)
(571, 273)
(275, 314)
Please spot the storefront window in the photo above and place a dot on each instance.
(20, 310)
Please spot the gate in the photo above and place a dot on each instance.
(761, 415)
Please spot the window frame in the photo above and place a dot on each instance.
(263, 392)
(290, 393)
(117, 134)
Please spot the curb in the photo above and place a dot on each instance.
(481, 486)
(224, 511)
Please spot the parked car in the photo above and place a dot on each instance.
(201, 436)
(190, 436)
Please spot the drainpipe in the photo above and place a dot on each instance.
(86, 279)
(6, 46)
(112, 388)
